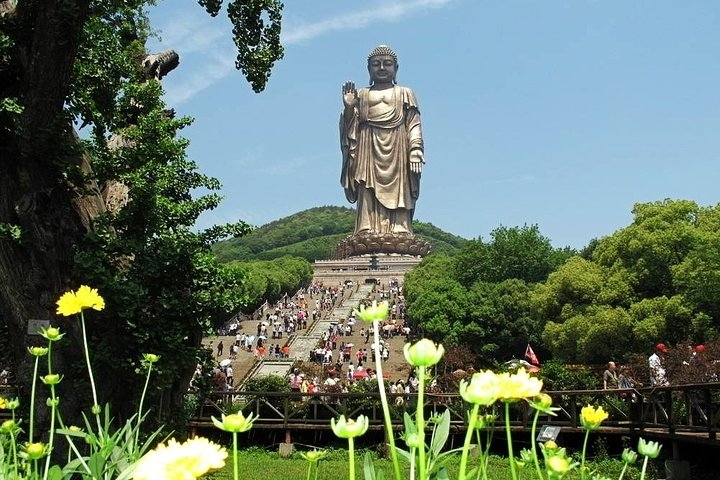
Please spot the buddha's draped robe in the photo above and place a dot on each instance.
(376, 140)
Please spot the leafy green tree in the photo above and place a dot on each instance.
(517, 252)
(653, 280)
(502, 318)
(80, 61)
(661, 235)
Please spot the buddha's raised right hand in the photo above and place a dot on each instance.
(350, 94)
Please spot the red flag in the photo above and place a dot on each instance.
(530, 355)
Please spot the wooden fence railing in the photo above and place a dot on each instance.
(679, 409)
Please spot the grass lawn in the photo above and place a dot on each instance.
(257, 464)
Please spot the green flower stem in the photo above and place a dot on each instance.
(420, 419)
(508, 434)
(236, 469)
(642, 474)
(582, 459)
(317, 469)
(140, 409)
(51, 441)
(13, 443)
(90, 374)
(533, 445)
(468, 437)
(351, 458)
(69, 439)
(413, 457)
(309, 470)
(622, 473)
(383, 399)
(484, 455)
(32, 400)
(53, 409)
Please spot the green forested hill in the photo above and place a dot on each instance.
(313, 234)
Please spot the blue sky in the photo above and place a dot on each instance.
(558, 113)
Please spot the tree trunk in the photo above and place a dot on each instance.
(34, 152)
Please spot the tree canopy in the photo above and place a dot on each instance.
(114, 210)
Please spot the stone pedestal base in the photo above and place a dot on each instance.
(368, 243)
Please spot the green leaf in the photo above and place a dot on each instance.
(442, 431)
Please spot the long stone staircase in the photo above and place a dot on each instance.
(305, 341)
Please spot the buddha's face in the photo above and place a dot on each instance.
(382, 69)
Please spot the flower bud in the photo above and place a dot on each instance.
(52, 334)
(38, 351)
(649, 449)
(8, 426)
(314, 455)
(424, 353)
(96, 409)
(235, 422)
(35, 451)
(349, 428)
(52, 402)
(377, 311)
(150, 358)
(629, 456)
(51, 379)
(558, 464)
(412, 440)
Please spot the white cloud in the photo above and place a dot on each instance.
(201, 39)
(357, 20)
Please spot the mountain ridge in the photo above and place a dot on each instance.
(313, 234)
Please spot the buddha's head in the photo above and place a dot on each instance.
(382, 65)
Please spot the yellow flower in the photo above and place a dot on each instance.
(592, 417)
(349, 428)
(235, 422)
(483, 388)
(3, 403)
(377, 311)
(518, 386)
(423, 353)
(71, 302)
(180, 461)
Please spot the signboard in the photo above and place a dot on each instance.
(35, 325)
(548, 432)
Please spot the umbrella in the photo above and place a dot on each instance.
(225, 363)
(349, 344)
(459, 373)
(515, 363)
(363, 374)
(262, 337)
(277, 323)
(264, 324)
(388, 327)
